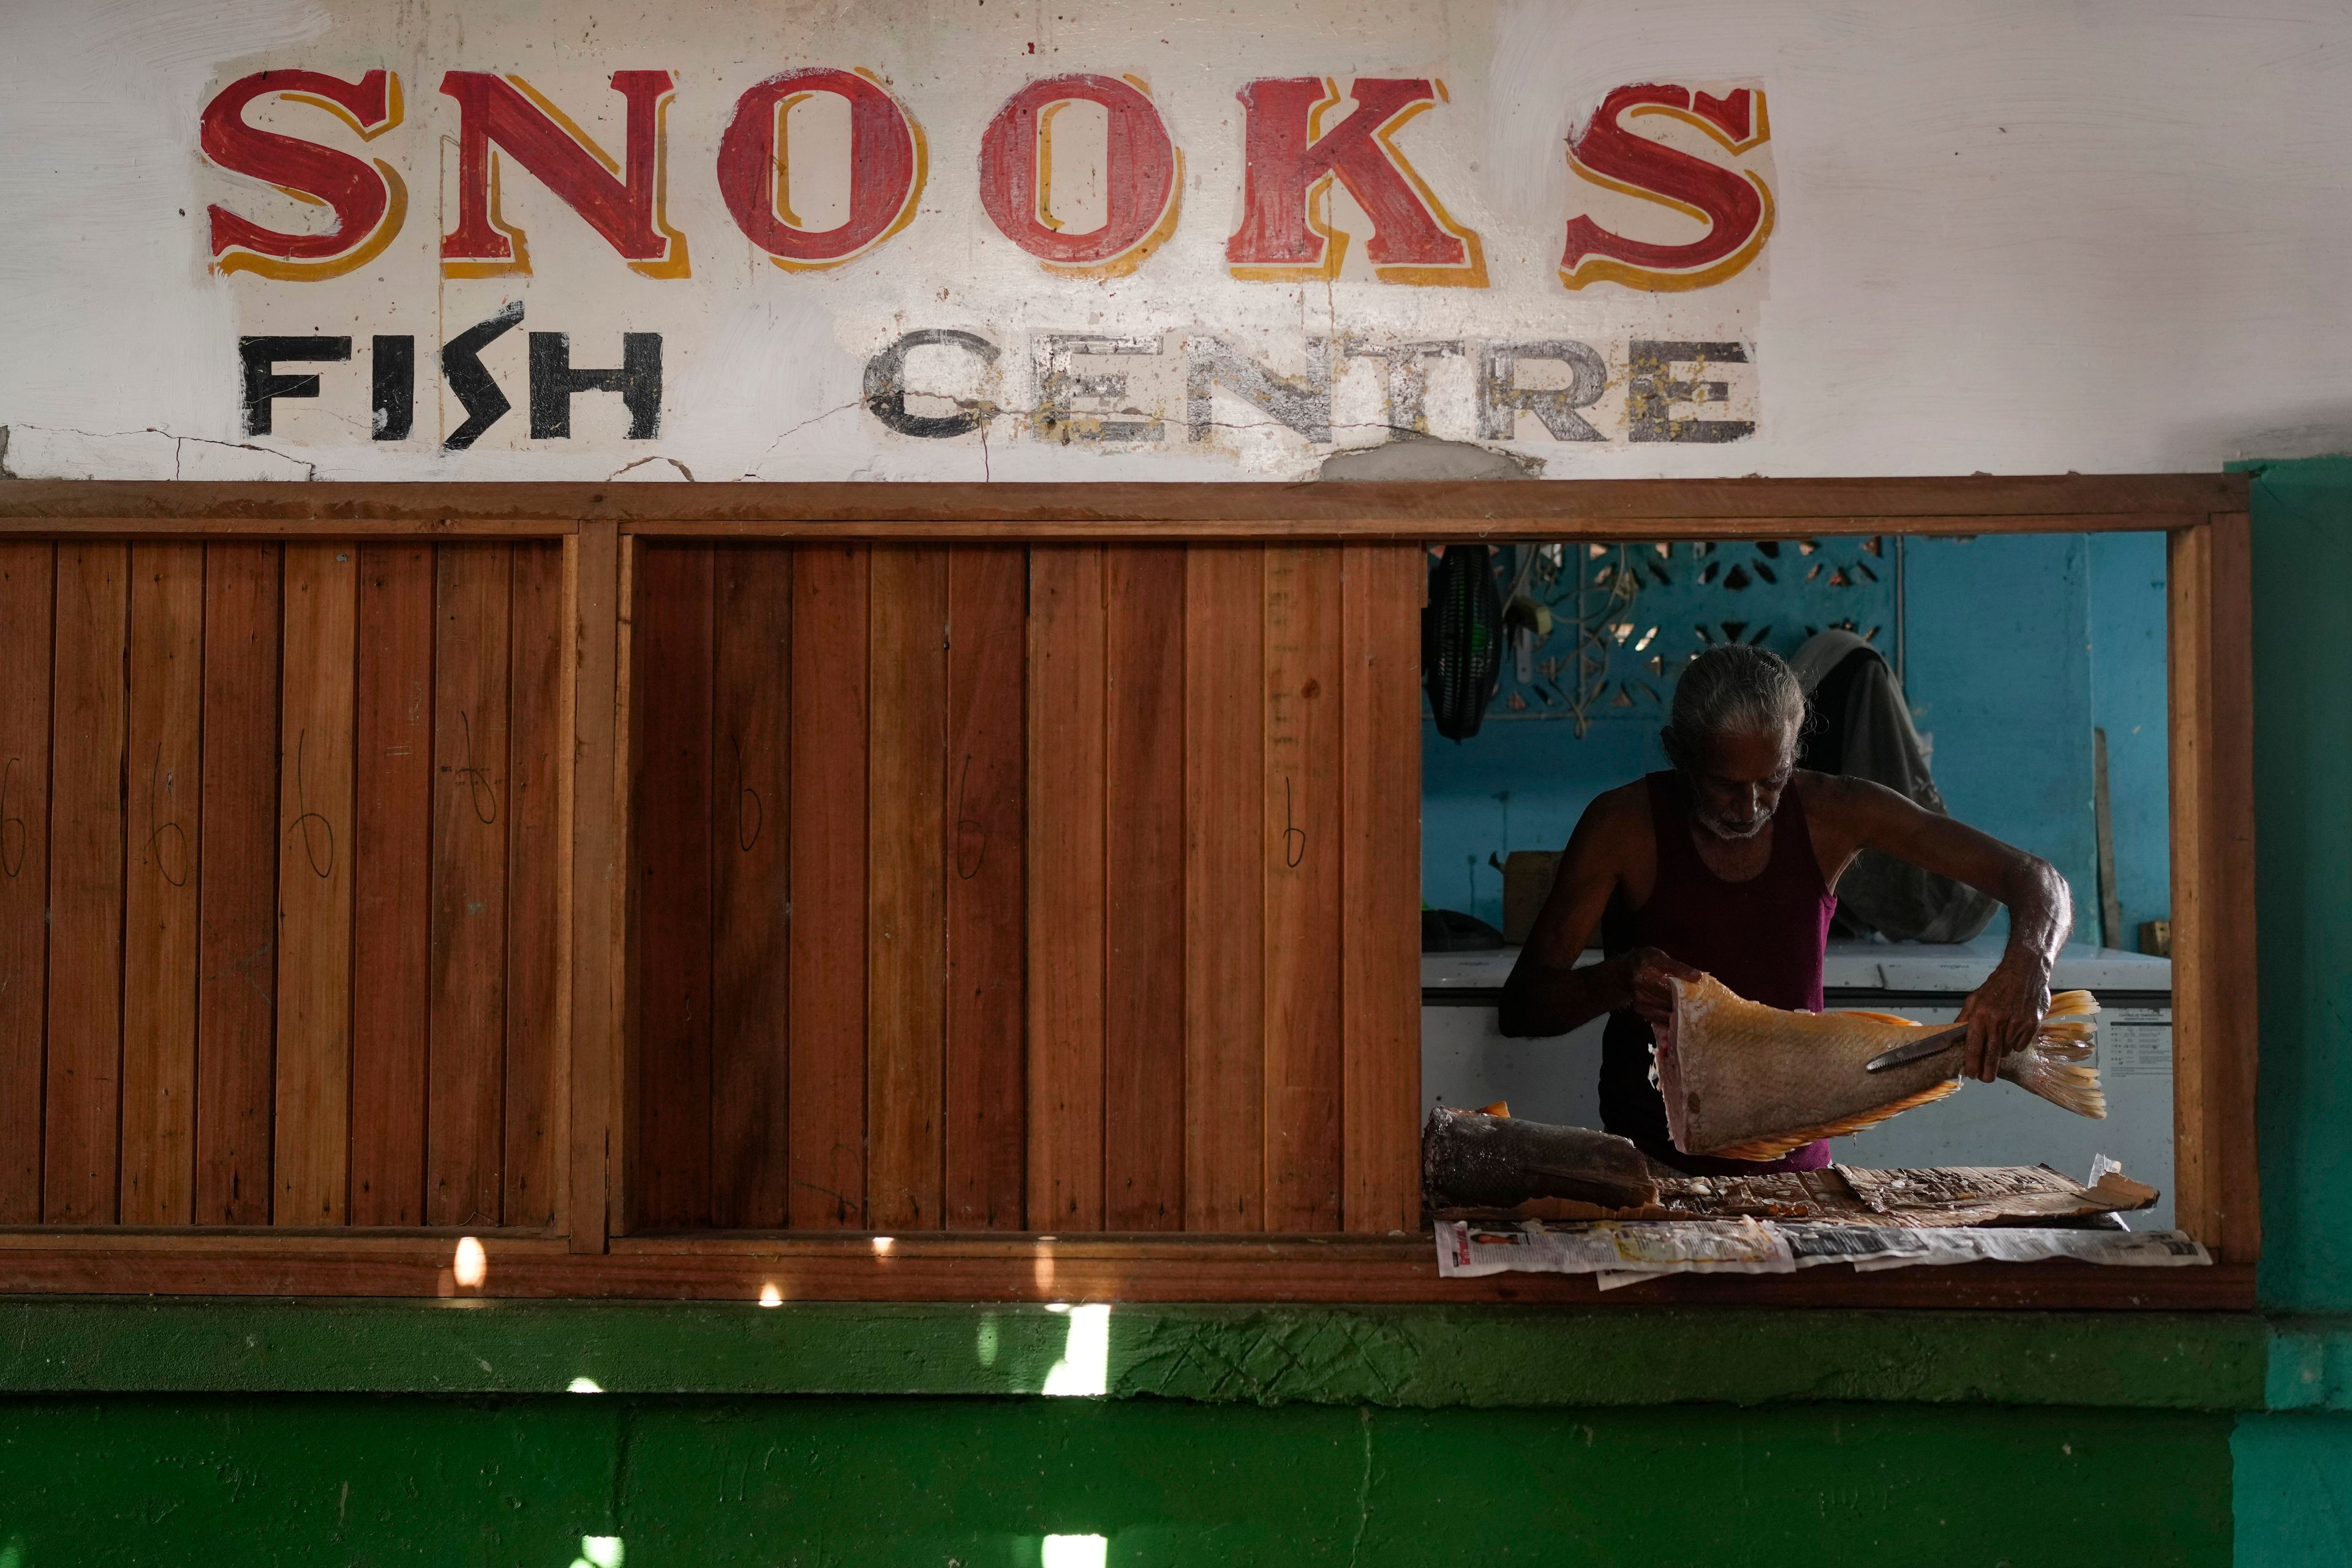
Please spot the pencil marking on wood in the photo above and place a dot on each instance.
(308, 823)
(158, 782)
(12, 860)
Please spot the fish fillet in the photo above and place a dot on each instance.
(1751, 1082)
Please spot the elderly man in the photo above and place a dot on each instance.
(1727, 864)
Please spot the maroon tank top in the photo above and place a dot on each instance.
(1764, 938)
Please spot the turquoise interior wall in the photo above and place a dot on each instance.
(2128, 701)
(1999, 682)
(2017, 646)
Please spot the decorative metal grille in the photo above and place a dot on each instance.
(1625, 618)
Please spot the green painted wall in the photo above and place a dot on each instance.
(2292, 1497)
(2293, 1493)
(1403, 1357)
(2303, 745)
(271, 1432)
(313, 1480)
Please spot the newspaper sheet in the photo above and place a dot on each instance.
(1465, 1250)
(1623, 1252)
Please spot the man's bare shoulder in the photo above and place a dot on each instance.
(1840, 793)
(1835, 797)
(1614, 811)
(1616, 824)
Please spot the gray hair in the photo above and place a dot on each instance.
(1731, 691)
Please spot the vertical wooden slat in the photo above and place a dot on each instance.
(672, 643)
(1224, 888)
(238, 871)
(1143, 980)
(905, 875)
(2235, 1013)
(472, 798)
(627, 953)
(539, 1000)
(81, 1120)
(986, 915)
(312, 1121)
(599, 783)
(1303, 853)
(2215, 994)
(1381, 900)
(391, 877)
(28, 591)
(750, 847)
(623, 1176)
(826, 1145)
(2189, 589)
(159, 970)
(1067, 627)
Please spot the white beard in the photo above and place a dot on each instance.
(1730, 835)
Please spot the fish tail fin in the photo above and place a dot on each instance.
(2071, 1084)
(2068, 1030)
(1780, 1143)
(2057, 1065)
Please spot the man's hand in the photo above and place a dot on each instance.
(2002, 1016)
(1647, 972)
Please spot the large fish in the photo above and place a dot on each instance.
(1751, 1082)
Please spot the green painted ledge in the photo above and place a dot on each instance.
(2311, 1363)
(1407, 1357)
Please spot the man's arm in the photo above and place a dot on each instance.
(1546, 994)
(2004, 1012)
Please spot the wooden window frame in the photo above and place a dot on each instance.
(2210, 684)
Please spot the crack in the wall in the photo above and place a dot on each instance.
(1363, 1488)
(641, 462)
(179, 445)
(790, 430)
(1266, 1359)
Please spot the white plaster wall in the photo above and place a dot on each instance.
(2102, 236)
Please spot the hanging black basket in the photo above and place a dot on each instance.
(1461, 640)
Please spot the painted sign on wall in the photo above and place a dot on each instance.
(1295, 149)
(1937, 243)
(1318, 270)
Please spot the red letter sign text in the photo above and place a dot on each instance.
(1736, 205)
(544, 139)
(368, 199)
(886, 169)
(1285, 231)
(1143, 174)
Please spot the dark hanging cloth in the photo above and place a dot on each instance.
(1859, 725)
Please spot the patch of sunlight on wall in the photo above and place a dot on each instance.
(1074, 1550)
(1085, 1366)
(599, 1552)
